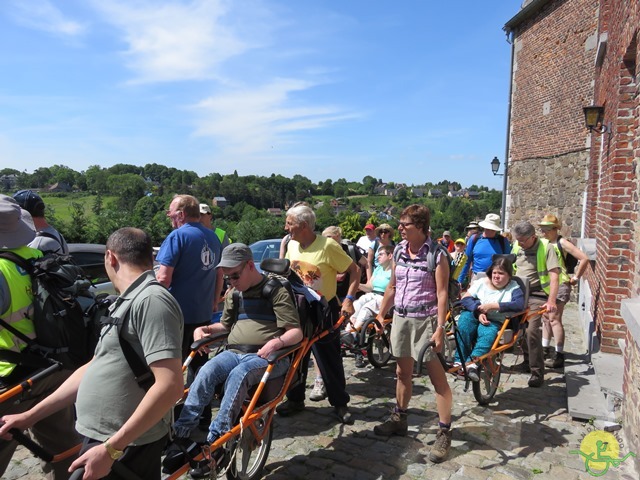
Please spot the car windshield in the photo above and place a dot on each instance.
(265, 249)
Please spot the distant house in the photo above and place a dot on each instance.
(220, 202)
(390, 192)
(379, 189)
(472, 195)
(454, 194)
(417, 192)
(276, 212)
(59, 187)
(435, 193)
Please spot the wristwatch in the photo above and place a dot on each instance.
(113, 452)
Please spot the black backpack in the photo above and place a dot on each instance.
(313, 309)
(570, 261)
(453, 287)
(66, 314)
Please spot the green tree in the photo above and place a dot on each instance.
(351, 227)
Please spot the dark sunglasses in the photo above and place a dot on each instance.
(405, 224)
(385, 231)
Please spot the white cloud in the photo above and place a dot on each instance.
(42, 15)
(174, 41)
(250, 121)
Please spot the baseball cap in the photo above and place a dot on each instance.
(446, 233)
(369, 226)
(234, 255)
(31, 202)
(461, 240)
(204, 208)
(550, 220)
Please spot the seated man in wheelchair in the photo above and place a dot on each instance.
(486, 305)
(258, 326)
(368, 305)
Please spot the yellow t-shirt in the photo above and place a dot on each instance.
(319, 263)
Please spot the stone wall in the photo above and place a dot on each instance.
(549, 185)
(631, 392)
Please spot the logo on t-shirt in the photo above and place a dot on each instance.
(207, 257)
(310, 274)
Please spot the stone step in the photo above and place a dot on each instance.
(609, 369)
(585, 397)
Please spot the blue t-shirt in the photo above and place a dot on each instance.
(480, 251)
(193, 251)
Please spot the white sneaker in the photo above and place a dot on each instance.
(472, 372)
(319, 392)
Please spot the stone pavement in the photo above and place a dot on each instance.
(524, 433)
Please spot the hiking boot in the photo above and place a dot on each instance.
(536, 380)
(319, 392)
(472, 373)
(203, 467)
(289, 407)
(179, 452)
(360, 361)
(440, 449)
(520, 368)
(556, 361)
(343, 415)
(347, 339)
(395, 425)
(547, 352)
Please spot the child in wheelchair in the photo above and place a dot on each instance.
(486, 305)
(368, 305)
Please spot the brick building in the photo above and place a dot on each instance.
(568, 54)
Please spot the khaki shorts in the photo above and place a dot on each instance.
(564, 293)
(410, 334)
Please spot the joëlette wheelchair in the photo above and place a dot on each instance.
(246, 446)
(376, 342)
(489, 364)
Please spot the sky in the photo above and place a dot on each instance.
(408, 91)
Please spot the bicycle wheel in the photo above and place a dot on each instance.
(250, 455)
(378, 346)
(489, 373)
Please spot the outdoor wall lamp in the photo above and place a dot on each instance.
(495, 165)
(593, 119)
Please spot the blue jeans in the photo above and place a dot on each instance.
(475, 339)
(239, 372)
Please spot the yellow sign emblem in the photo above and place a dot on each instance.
(600, 451)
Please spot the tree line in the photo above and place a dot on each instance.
(142, 195)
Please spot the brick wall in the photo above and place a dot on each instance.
(614, 192)
(552, 81)
(553, 76)
(615, 222)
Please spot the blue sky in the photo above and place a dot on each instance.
(407, 91)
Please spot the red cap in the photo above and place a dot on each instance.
(370, 226)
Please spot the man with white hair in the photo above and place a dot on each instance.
(318, 260)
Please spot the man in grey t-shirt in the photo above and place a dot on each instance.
(118, 418)
(47, 237)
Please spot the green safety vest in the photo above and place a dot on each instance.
(221, 234)
(21, 308)
(541, 264)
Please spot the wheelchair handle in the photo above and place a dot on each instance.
(33, 447)
(77, 474)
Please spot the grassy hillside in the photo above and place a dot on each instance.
(61, 205)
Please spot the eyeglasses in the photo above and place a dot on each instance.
(522, 241)
(385, 231)
(170, 213)
(546, 229)
(405, 224)
(234, 277)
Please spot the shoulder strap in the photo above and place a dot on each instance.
(49, 235)
(501, 240)
(559, 243)
(143, 374)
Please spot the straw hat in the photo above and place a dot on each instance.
(550, 221)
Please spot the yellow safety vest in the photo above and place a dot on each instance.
(20, 310)
(541, 264)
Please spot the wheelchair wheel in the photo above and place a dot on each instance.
(249, 456)
(378, 346)
(489, 374)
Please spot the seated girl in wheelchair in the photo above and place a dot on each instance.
(487, 303)
(368, 305)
